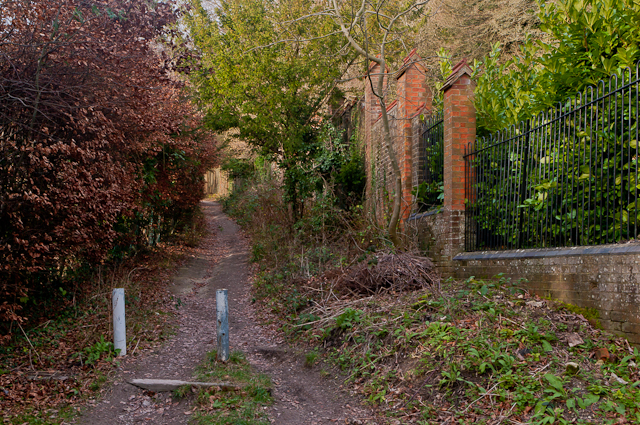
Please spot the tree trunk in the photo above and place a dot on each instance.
(395, 167)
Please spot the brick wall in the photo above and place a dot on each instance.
(379, 172)
(412, 99)
(606, 278)
(370, 113)
(371, 102)
(430, 232)
(418, 154)
(459, 132)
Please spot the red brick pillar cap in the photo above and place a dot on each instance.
(458, 71)
(412, 59)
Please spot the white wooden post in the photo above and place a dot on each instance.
(222, 312)
(119, 325)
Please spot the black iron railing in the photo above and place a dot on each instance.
(566, 177)
(429, 191)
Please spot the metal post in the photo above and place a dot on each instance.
(222, 312)
(119, 325)
(523, 181)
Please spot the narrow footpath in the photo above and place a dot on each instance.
(301, 395)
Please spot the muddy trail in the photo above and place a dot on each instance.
(301, 395)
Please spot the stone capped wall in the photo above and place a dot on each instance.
(605, 278)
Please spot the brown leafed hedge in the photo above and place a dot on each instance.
(99, 151)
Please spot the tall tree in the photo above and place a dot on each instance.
(378, 30)
(259, 73)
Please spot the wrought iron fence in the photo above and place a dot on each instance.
(566, 177)
(429, 192)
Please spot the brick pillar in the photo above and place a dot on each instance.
(413, 97)
(459, 131)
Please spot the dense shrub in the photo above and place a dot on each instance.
(98, 151)
(586, 41)
(573, 181)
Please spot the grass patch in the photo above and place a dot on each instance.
(244, 406)
(311, 358)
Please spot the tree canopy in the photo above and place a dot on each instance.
(259, 72)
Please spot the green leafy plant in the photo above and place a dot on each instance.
(587, 41)
(95, 352)
(243, 405)
(428, 194)
(310, 358)
(348, 318)
(590, 49)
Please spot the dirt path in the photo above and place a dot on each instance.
(302, 395)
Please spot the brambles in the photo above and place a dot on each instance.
(395, 272)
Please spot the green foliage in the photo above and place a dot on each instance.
(256, 75)
(182, 392)
(580, 185)
(425, 192)
(348, 318)
(101, 348)
(341, 164)
(504, 92)
(445, 67)
(32, 417)
(471, 347)
(588, 40)
(591, 314)
(238, 168)
(310, 358)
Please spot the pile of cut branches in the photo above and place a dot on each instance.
(390, 272)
